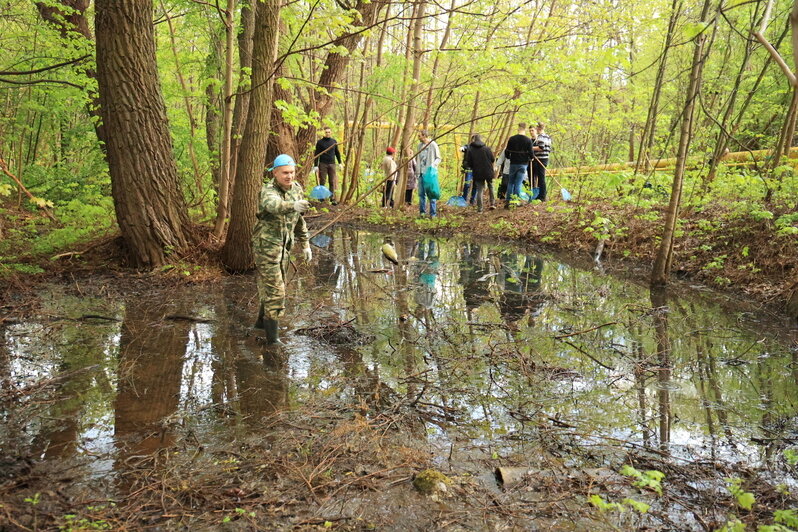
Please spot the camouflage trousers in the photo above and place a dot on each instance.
(271, 284)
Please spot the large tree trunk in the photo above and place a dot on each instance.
(237, 250)
(150, 207)
(241, 108)
(662, 263)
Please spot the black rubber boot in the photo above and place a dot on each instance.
(272, 334)
(259, 321)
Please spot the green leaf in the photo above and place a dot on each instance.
(692, 29)
(638, 506)
(746, 500)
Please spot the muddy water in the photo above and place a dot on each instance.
(499, 351)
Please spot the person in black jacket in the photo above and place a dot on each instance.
(479, 159)
(325, 156)
(519, 151)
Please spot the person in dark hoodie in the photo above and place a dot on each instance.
(325, 155)
(479, 159)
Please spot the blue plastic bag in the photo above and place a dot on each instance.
(429, 181)
(321, 241)
(523, 194)
(320, 192)
(457, 201)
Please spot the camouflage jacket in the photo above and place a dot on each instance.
(278, 223)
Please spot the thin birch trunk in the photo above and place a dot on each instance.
(664, 258)
(225, 166)
(409, 124)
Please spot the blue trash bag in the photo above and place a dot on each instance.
(320, 192)
(321, 241)
(429, 181)
(457, 201)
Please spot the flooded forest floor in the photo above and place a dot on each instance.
(496, 379)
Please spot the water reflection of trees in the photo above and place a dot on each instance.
(151, 357)
(672, 371)
(74, 405)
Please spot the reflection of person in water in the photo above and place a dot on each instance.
(473, 267)
(521, 285)
(428, 264)
(263, 386)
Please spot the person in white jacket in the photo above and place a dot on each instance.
(428, 155)
(503, 170)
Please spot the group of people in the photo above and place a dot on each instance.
(523, 161)
(282, 202)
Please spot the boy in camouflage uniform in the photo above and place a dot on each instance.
(279, 221)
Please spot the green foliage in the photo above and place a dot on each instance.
(14, 267)
(787, 517)
(733, 525)
(787, 225)
(744, 499)
(791, 455)
(504, 227)
(426, 224)
(74, 523)
(599, 227)
(604, 506)
(651, 479)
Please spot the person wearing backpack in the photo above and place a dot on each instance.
(479, 159)
(428, 157)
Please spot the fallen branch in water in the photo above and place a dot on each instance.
(577, 333)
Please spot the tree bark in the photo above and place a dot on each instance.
(410, 117)
(662, 263)
(227, 119)
(213, 104)
(237, 251)
(150, 207)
